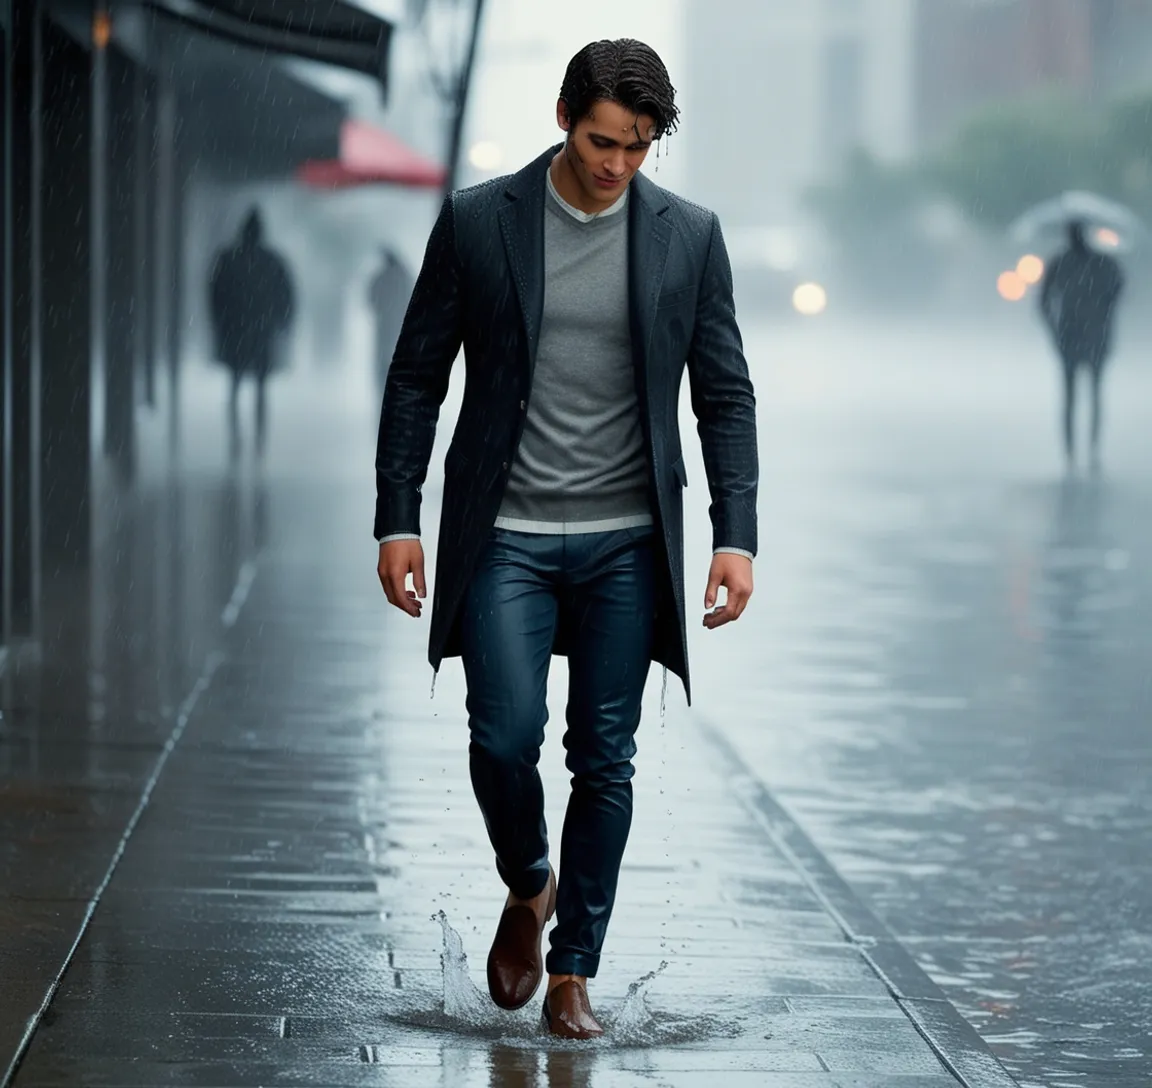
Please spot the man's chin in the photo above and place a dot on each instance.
(603, 198)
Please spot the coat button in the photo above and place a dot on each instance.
(523, 405)
(504, 466)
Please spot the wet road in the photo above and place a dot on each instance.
(943, 676)
(946, 678)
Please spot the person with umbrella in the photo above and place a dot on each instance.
(1078, 299)
(1079, 294)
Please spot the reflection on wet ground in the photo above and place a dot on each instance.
(952, 692)
(941, 674)
(1009, 754)
(273, 919)
(272, 851)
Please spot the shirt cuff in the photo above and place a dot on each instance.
(733, 551)
(398, 536)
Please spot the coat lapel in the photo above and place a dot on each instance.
(649, 235)
(522, 228)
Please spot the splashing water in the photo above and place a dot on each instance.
(462, 999)
(634, 1019)
(464, 1010)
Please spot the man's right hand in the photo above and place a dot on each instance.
(398, 559)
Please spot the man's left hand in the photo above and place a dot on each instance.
(734, 573)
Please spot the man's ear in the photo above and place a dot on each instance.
(562, 118)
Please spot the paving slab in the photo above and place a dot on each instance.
(309, 870)
(308, 896)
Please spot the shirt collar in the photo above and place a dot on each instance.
(576, 213)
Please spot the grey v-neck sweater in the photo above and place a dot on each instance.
(581, 465)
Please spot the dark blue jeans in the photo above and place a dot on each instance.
(597, 588)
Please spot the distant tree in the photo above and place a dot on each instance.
(1012, 154)
(1129, 135)
(868, 197)
(870, 215)
(1004, 159)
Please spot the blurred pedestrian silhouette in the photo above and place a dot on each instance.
(388, 295)
(253, 303)
(1078, 300)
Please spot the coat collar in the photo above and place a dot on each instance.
(522, 227)
(649, 236)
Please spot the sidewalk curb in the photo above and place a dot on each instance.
(955, 1042)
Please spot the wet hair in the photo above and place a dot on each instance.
(624, 71)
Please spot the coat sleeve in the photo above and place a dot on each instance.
(724, 404)
(417, 384)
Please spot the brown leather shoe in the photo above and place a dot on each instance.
(515, 964)
(568, 1014)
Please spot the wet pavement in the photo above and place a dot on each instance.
(261, 829)
(273, 919)
(949, 682)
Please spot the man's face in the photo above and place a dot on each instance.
(606, 148)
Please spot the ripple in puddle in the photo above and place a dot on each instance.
(464, 1010)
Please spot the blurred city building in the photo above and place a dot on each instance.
(810, 121)
(136, 133)
(805, 84)
(801, 86)
(972, 52)
(780, 105)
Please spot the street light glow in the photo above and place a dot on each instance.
(1011, 286)
(1030, 268)
(101, 29)
(486, 155)
(810, 299)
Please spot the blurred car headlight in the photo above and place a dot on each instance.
(1011, 286)
(1030, 269)
(810, 299)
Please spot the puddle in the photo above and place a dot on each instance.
(463, 1010)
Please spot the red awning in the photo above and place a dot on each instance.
(371, 156)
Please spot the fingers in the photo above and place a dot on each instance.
(738, 601)
(715, 578)
(394, 580)
(712, 620)
(732, 609)
(402, 597)
(398, 560)
(418, 577)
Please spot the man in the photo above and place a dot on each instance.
(1078, 300)
(579, 290)
(252, 303)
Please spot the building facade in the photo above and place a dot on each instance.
(973, 52)
(781, 92)
(133, 134)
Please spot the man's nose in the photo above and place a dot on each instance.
(615, 164)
